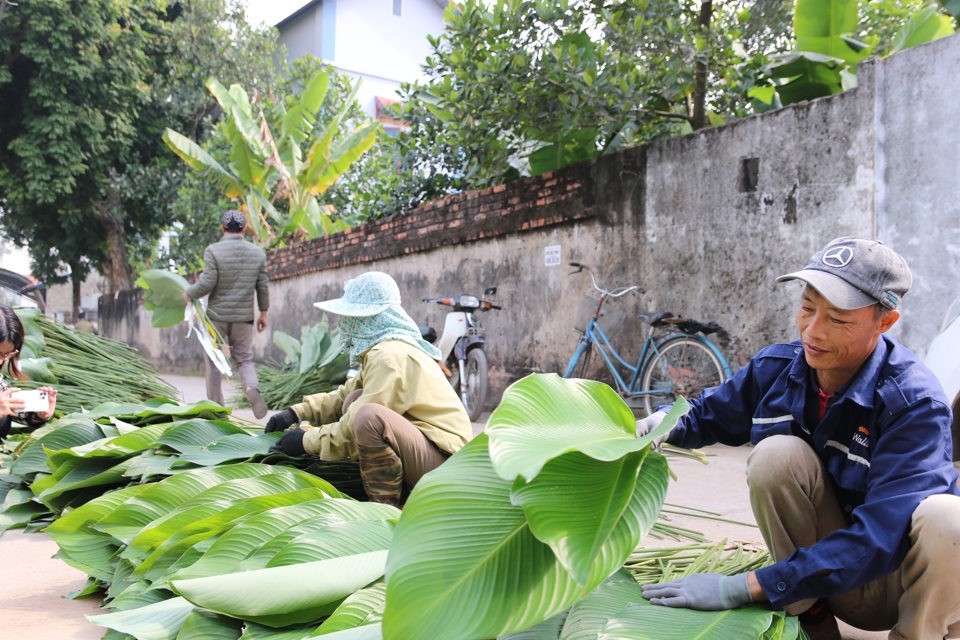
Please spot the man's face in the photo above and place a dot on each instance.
(836, 342)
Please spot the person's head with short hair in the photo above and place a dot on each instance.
(853, 290)
(233, 221)
(81, 315)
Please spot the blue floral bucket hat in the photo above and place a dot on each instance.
(367, 295)
(370, 313)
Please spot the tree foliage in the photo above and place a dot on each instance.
(519, 87)
(86, 88)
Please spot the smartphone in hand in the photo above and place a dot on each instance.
(36, 400)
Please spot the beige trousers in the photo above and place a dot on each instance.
(239, 335)
(794, 503)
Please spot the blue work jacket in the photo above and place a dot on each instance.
(885, 441)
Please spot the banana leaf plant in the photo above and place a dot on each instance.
(284, 164)
(825, 56)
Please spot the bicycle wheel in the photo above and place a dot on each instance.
(475, 374)
(579, 362)
(680, 366)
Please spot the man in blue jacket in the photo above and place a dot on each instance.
(851, 478)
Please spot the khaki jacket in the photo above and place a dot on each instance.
(400, 377)
(233, 270)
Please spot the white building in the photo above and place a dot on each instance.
(384, 42)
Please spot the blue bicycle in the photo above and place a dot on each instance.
(682, 364)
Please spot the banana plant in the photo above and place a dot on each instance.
(825, 56)
(276, 175)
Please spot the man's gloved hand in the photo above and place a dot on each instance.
(701, 591)
(282, 421)
(650, 423)
(290, 443)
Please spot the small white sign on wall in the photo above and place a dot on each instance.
(551, 256)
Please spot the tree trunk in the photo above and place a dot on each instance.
(76, 281)
(699, 119)
(117, 265)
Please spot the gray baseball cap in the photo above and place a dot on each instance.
(853, 273)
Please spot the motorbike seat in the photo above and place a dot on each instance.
(428, 333)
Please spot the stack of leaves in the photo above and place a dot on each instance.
(72, 460)
(79, 457)
(314, 364)
(86, 369)
(244, 548)
(521, 534)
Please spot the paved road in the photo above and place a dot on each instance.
(32, 582)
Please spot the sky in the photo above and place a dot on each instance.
(271, 11)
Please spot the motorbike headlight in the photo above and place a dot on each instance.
(469, 301)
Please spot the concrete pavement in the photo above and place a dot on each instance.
(32, 582)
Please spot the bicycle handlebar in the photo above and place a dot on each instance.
(616, 293)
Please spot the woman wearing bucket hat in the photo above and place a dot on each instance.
(399, 415)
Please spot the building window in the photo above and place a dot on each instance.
(397, 7)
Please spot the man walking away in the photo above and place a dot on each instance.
(233, 269)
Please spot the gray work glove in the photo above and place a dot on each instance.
(701, 591)
(650, 423)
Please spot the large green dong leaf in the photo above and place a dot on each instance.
(281, 596)
(464, 562)
(577, 506)
(249, 538)
(544, 416)
(645, 621)
(588, 616)
(159, 499)
(160, 621)
(84, 548)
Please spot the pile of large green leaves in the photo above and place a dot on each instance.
(86, 369)
(314, 364)
(521, 534)
(68, 462)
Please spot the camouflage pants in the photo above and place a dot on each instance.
(393, 452)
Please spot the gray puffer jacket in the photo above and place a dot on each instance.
(232, 270)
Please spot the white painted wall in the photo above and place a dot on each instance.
(370, 42)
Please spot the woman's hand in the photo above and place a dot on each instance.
(10, 406)
(52, 398)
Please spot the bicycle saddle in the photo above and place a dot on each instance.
(656, 320)
(691, 327)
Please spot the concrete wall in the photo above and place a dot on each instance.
(705, 222)
(917, 182)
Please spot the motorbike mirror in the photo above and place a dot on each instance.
(490, 291)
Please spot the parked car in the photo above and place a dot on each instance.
(943, 358)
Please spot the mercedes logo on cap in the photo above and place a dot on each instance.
(837, 257)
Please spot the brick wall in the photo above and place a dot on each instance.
(523, 205)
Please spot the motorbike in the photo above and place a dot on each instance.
(462, 348)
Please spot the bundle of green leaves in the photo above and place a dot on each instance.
(314, 364)
(86, 369)
(163, 295)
